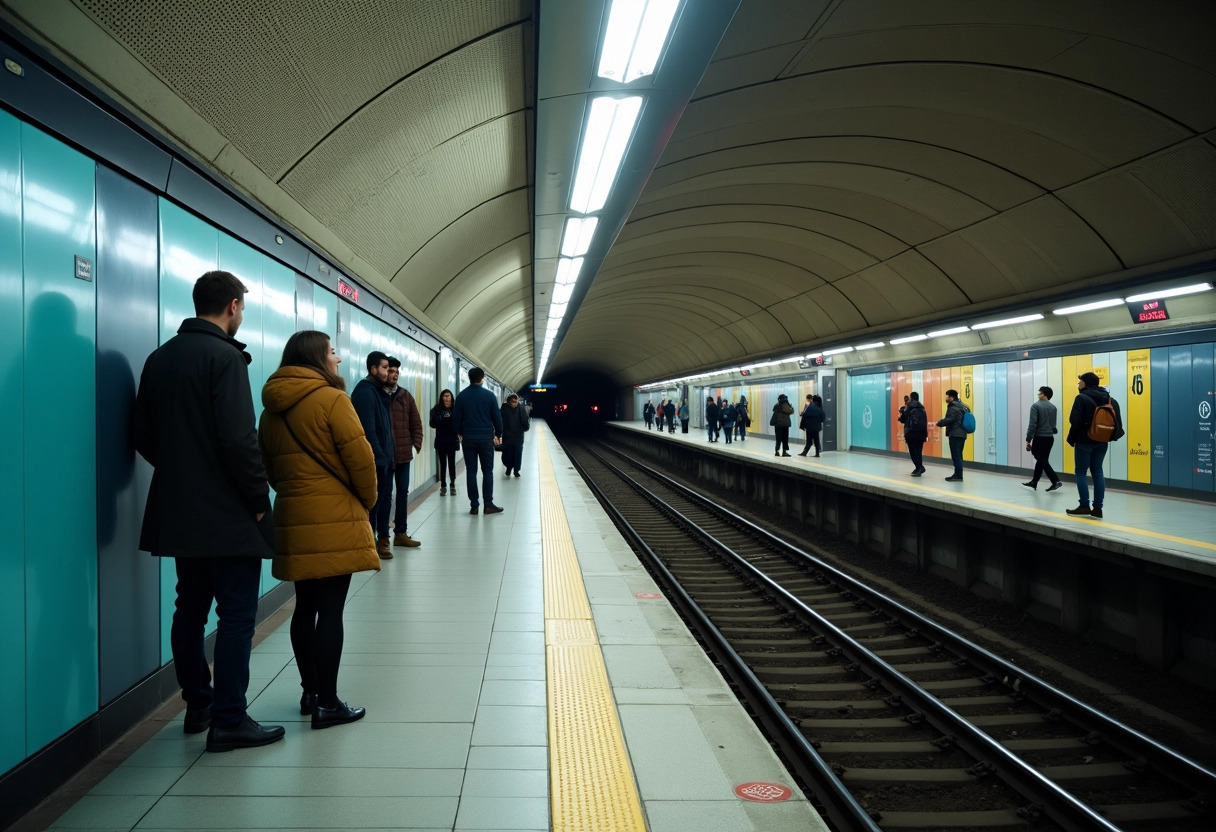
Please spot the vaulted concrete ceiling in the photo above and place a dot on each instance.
(849, 167)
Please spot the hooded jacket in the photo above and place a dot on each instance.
(952, 420)
(812, 418)
(782, 411)
(320, 526)
(1082, 413)
(514, 424)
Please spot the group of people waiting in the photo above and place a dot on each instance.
(722, 417)
(333, 462)
(731, 420)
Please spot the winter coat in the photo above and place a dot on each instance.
(514, 424)
(445, 428)
(194, 422)
(782, 411)
(476, 414)
(741, 411)
(372, 405)
(320, 526)
(812, 418)
(683, 412)
(921, 435)
(952, 421)
(727, 414)
(406, 423)
(648, 411)
(1042, 420)
(669, 410)
(1082, 413)
(711, 412)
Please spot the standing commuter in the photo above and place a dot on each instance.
(811, 421)
(953, 422)
(683, 417)
(726, 415)
(669, 413)
(207, 507)
(711, 417)
(718, 424)
(660, 414)
(514, 426)
(372, 404)
(478, 425)
(1040, 437)
(321, 494)
(406, 423)
(916, 430)
(742, 419)
(648, 414)
(780, 420)
(1095, 420)
(446, 443)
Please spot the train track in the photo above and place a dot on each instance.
(892, 720)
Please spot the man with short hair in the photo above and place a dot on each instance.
(372, 404)
(208, 505)
(916, 430)
(1040, 437)
(1089, 453)
(478, 425)
(515, 424)
(952, 421)
(406, 424)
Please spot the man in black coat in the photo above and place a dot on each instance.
(208, 506)
(374, 406)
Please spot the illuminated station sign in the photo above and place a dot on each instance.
(1147, 311)
(542, 388)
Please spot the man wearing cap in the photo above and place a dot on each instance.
(1089, 454)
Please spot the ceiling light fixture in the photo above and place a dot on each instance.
(609, 127)
(1171, 293)
(1086, 307)
(873, 346)
(908, 339)
(637, 31)
(1020, 319)
(577, 237)
(567, 270)
(954, 330)
(838, 351)
(562, 292)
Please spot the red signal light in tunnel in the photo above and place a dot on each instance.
(595, 408)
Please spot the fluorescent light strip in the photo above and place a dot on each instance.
(651, 37)
(873, 346)
(609, 128)
(1086, 307)
(838, 351)
(562, 292)
(1020, 319)
(577, 237)
(954, 330)
(908, 339)
(637, 31)
(1171, 293)
(568, 270)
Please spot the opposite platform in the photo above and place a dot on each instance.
(468, 725)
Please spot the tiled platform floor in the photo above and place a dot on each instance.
(1169, 530)
(445, 648)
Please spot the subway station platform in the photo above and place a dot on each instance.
(520, 671)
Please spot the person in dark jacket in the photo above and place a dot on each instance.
(648, 414)
(478, 425)
(208, 505)
(742, 419)
(811, 421)
(1088, 454)
(916, 430)
(726, 416)
(371, 402)
(669, 413)
(780, 421)
(1040, 437)
(660, 414)
(446, 443)
(683, 413)
(406, 424)
(952, 421)
(514, 426)
(711, 417)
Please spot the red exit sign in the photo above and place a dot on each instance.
(348, 291)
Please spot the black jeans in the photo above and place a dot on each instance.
(683, 426)
(783, 438)
(447, 467)
(317, 634)
(233, 584)
(915, 447)
(1040, 449)
(956, 453)
(479, 451)
(812, 438)
(380, 512)
(401, 476)
(729, 429)
(512, 456)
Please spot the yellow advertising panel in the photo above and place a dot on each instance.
(1103, 373)
(966, 392)
(1073, 366)
(1138, 417)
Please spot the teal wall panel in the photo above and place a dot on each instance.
(868, 396)
(12, 450)
(278, 324)
(58, 225)
(188, 248)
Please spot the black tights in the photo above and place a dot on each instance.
(316, 635)
(447, 467)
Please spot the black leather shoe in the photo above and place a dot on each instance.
(308, 703)
(1033, 486)
(1055, 485)
(248, 734)
(197, 720)
(341, 715)
(473, 510)
(1079, 511)
(954, 479)
(493, 509)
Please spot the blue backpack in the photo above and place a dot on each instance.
(969, 422)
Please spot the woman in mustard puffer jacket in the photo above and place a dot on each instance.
(324, 474)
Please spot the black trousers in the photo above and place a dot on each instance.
(1040, 449)
(915, 447)
(317, 634)
(783, 438)
(381, 512)
(812, 438)
(233, 584)
(447, 466)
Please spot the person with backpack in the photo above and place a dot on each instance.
(958, 422)
(916, 430)
(1095, 422)
(780, 420)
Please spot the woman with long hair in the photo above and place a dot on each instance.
(321, 466)
(446, 443)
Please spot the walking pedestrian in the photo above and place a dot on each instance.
(1040, 437)
(406, 423)
(372, 404)
(1094, 422)
(208, 506)
(954, 421)
(514, 426)
(916, 431)
(321, 494)
(780, 420)
(743, 419)
(811, 421)
(446, 443)
(478, 425)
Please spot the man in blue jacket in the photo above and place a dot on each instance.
(373, 404)
(478, 424)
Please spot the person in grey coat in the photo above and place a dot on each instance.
(780, 421)
(1041, 433)
(953, 423)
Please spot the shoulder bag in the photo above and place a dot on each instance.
(314, 457)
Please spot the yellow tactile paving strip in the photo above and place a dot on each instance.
(590, 780)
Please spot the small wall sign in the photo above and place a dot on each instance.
(84, 268)
(348, 291)
(1147, 311)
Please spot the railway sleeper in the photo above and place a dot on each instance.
(889, 723)
(952, 820)
(1098, 775)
